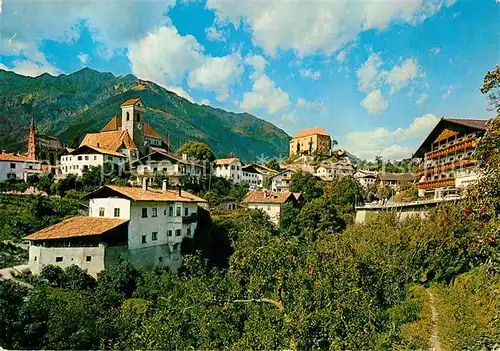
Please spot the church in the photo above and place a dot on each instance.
(121, 141)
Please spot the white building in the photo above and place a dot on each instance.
(230, 169)
(366, 178)
(281, 181)
(123, 140)
(145, 226)
(14, 166)
(179, 169)
(269, 202)
(328, 172)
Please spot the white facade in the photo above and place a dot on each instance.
(273, 210)
(175, 169)
(328, 172)
(366, 179)
(229, 169)
(281, 181)
(75, 164)
(14, 166)
(254, 179)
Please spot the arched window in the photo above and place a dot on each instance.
(138, 117)
(128, 116)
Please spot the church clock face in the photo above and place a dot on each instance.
(140, 125)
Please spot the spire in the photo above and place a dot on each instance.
(31, 140)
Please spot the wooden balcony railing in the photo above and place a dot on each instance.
(451, 148)
(438, 183)
(446, 166)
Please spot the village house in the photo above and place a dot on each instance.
(15, 166)
(329, 171)
(393, 180)
(310, 141)
(178, 169)
(229, 168)
(142, 225)
(123, 140)
(256, 175)
(269, 202)
(281, 182)
(366, 178)
(446, 157)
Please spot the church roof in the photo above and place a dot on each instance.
(311, 131)
(115, 123)
(110, 140)
(131, 102)
(150, 194)
(4, 156)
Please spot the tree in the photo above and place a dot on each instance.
(76, 278)
(197, 150)
(491, 86)
(307, 184)
(52, 274)
(319, 216)
(273, 164)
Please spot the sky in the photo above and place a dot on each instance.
(376, 75)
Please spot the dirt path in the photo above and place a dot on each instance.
(434, 340)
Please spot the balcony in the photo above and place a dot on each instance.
(437, 183)
(192, 218)
(446, 166)
(465, 144)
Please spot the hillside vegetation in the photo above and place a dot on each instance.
(69, 106)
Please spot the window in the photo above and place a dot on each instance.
(59, 259)
(177, 232)
(128, 116)
(12, 165)
(188, 232)
(169, 233)
(144, 212)
(164, 212)
(138, 115)
(171, 211)
(117, 212)
(144, 239)
(155, 212)
(186, 211)
(101, 211)
(79, 158)
(178, 211)
(232, 167)
(154, 236)
(88, 258)
(160, 259)
(86, 158)
(95, 157)
(34, 258)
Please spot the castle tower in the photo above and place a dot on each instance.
(133, 114)
(31, 141)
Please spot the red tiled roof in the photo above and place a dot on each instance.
(139, 194)
(470, 122)
(115, 124)
(311, 131)
(268, 197)
(98, 150)
(226, 161)
(15, 158)
(131, 102)
(77, 227)
(110, 140)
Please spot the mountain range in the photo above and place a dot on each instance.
(68, 106)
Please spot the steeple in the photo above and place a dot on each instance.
(31, 140)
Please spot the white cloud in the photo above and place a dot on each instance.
(288, 117)
(215, 34)
(181, 92)
(374, 102)
(311, 105)
(341, 56)
(399, 76)
(322, 26)
(205, 102)
(32, 69)
(390, 144)
(309, 73)
(369, 74)
(164, 55)
(435, 50)
(422, 99)
(265, 94)
(84, 58)
(217, 74)
(258, 62)
(448, 90)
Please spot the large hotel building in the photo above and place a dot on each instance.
(447, 160)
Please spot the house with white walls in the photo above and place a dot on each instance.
(142, 225)
(329, 171)
(366, 178)
(230, 169)
(281, 181)
(270, 202)
(15, 166)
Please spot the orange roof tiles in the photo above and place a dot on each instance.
(150, 132)
(77, 227)
(311, 131)
(114, 123)
(99, 150)
(15, 158)
(226, 161)
(132, 101)
(470, 122)
(139, 194)
(268, 197)
(110, 140)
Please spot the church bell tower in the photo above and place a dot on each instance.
(31, 140)
(133, 114)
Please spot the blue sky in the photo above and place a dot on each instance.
(376, 75)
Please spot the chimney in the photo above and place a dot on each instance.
(179, 190)
(144, 183)
(4, 152)
(97, 144)
(185, 157)
(164, 185)
(265, 193)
